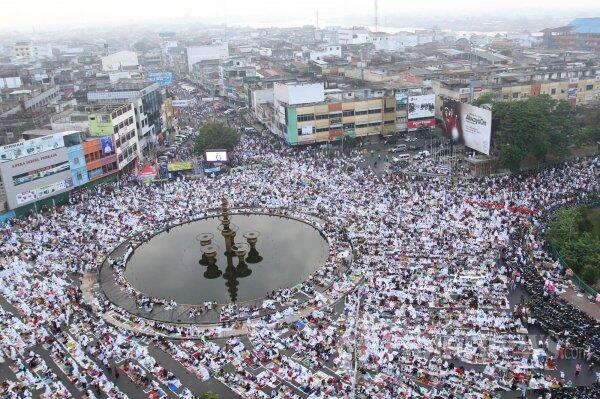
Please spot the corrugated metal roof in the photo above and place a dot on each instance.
(586, 25)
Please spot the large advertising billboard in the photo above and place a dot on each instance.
(468, 125)
(216, 156)
(421, 106)
(30, 147)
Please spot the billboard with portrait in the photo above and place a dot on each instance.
(467, 124)
(107, 146)
(216, 156)
(401, 99)
(421, 106)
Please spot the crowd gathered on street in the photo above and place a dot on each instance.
(449, 280)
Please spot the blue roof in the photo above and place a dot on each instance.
(586, 25)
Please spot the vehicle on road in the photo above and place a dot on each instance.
(401, 158)
(398, 148)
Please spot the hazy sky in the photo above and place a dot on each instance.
(42, 13)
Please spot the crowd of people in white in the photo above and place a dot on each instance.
(425, 310)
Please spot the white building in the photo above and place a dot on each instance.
(354, 36)
(120, 60)
(211, 52)
(27, 51)
(10, 82)
(331, 51)
(298, 93)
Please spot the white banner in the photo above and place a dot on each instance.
(476, 127)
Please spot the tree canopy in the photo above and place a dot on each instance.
(214, 135)
(536, 128)
(577, 240)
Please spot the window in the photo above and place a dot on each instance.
(307, 117)
(505, 96)
(388, 122)
(321, 116)
(322, 129)
(72, 139)
(116, 129)
(553, 91)
(375, 111)
(348, 112)
(361, 125)
(375, 124)
(388, 110)
(589, 87)
(362, 112)
(515, 95)
(348, 126)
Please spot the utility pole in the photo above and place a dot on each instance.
(376, 18)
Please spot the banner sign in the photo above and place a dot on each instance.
(178, 166)
(421, 106)
(414, 125)
(106, 145)
(468, 125)
(162, 78)
(43, 191)
(181, 103)
(401, 99)
(30, 147)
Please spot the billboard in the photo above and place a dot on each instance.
(421, 106)
(179, 166)
(44, 191)
(107, 146)
(31, 147)
(401, 99)
(216, 156)
(415, 125)
(468, 125)
(181, 103)
(162, 78)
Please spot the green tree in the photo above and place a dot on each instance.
(511, 157)
(538, 126)
(215, 135)
(571, 234)
(209, 395)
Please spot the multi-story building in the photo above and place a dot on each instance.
(42, 171)
(147, 99)
(117, 122)
(200, 54)
(581, 90)
(120, 61)
(306, 113)
(28, 51)
(581, 33)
